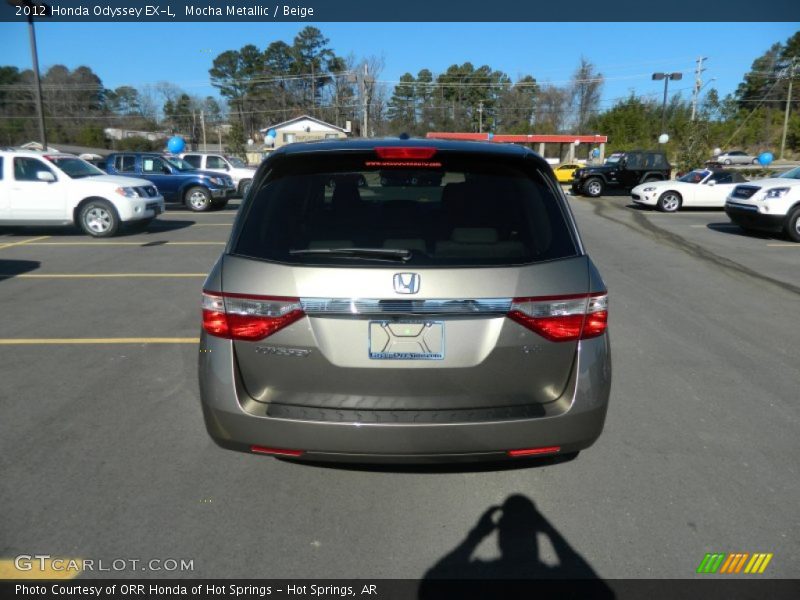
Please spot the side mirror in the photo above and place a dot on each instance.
(46, 176)
(166, 170)
(712, 182)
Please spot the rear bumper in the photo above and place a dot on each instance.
(223, 193)
(747, 215)
(575, 424)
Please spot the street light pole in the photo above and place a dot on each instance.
(32, 5)
(666, 77)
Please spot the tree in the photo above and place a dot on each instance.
(552, 103)
(585, 90)
(401, 109)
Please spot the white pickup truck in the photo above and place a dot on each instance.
(241, 174)
(61, 189)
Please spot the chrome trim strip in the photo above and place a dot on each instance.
(398, 306)
(745, 207)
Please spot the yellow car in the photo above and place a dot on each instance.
(565, 172)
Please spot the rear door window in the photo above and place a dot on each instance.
(455, 210)
(125, 164)
(193, 159)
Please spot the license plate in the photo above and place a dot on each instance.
(406, 340)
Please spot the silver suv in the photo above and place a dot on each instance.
(404, 301)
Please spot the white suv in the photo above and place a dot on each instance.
(768, 204)
(62, 189)
(241, 174)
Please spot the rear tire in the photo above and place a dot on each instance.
(792, 227)
(197, 199)
(727, 161)
(651, 179)
(669, 202)
(99, 218)
(593, 187)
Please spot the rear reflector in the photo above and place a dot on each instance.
(248, 318)
(406, 153)
(563, 318)
(534, 451)
(275, 451)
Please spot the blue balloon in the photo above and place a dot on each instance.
(176, 144)
(596, 152)
(271, 133)
(765, 158)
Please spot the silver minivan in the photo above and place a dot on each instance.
(396, 300)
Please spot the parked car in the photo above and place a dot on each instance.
(736, 157)
(768, 204)
(459, 318)
(177, 180)
(625, 170)
(62, 189)
(241, 174)
(701, 187)
(566, 172)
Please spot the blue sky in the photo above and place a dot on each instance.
(626, 53)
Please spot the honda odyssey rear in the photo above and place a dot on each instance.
(404, 301)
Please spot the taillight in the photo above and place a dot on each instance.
(407, 153)
(276, 451)
(563, 318)
(534, 451)
(249, 318)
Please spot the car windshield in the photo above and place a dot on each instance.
(236, 162)
(694, 176)
(793, 174)
(461, 210)
(75, 168)
(179, 163)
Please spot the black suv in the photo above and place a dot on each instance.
(621, 169)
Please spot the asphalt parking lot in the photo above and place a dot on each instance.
(103, 452)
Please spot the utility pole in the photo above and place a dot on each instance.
(203, 127)
(480, 116)
(698, 84)
(313, 90)
(788, 105)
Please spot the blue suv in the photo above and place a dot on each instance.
(177, 180)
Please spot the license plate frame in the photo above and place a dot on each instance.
(418, 339)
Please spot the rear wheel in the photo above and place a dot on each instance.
(727, 161)
(198, 199)
(593, 187)
(755, 161)
(669, 202)
(793, 225)
(99, 218)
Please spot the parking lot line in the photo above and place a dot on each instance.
(53, 341)
(792, 245)
(44, 237)
(153, 243)
(96, 275)
(716, 226)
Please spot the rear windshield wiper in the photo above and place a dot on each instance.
(359, 253)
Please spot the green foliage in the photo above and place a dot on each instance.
(235, 140)
(91, 136)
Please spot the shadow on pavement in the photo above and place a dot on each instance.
(733, 229)
(443, 468)
(519, 527)
(12, 268)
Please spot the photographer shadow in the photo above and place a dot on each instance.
(519, 526)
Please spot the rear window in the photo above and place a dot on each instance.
(456, 210)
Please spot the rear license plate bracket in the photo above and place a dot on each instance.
(406, 340)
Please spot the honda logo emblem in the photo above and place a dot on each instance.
(406, 283)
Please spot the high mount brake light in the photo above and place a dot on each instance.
(563, 318)
(248, 318)
(405, 153)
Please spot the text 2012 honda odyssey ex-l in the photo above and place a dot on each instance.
(404, 301)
